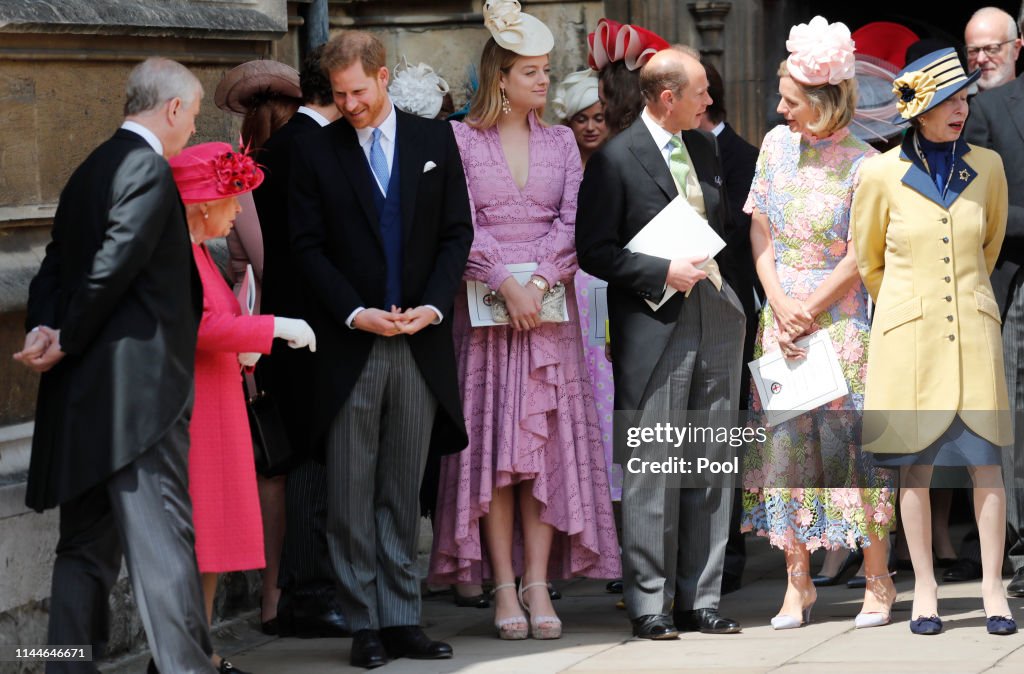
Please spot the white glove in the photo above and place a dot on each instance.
(248, 359)
(295, 331)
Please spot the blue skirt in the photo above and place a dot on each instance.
(957, 446)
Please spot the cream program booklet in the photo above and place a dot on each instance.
(788, 388)
(676, 231)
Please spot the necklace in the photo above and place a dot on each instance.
(952, 163)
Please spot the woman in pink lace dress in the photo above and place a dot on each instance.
(532, 483)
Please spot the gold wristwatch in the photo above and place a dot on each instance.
(540, 283)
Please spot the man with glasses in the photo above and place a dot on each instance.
(993, 44)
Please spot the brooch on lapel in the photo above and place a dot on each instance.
(718, 181)
(965, 175)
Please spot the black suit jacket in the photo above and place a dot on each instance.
(119, 282)
(997, 122)
(626, 184)
(336, 239)
(287, 373)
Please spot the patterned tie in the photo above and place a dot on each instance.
(680, 170)
(379, 163)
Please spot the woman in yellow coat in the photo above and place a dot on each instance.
(928, 220)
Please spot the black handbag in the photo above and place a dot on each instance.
(270, 445)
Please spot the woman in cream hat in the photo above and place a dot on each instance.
(535, 462)
(928, 223)
(577, 105)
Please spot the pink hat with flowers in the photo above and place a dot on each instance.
(212, 171)
(820, 53)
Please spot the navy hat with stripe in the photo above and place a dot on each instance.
(929, 81)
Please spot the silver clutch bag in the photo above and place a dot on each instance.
(552, 306)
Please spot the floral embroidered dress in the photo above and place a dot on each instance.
(810, 484)
(526, 396)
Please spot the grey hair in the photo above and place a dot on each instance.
(156, 81)
(1012, 29)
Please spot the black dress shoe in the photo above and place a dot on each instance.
(409, 641)
(614, 586)
(367, 650)
(857, 583)
(474, 601)
(313, 618)
(1016, 586)
(151, 667)
(962, 571)
(654, 626)
(704, 620)
(269, 627)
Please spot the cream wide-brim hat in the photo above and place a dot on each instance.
(515, 30)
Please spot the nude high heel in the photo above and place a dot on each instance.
(541, 626)
(874, 618)
(788, 622)
(510, 629)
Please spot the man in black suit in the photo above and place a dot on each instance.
(683, 356)
(381, 227)
(112, 319)
(307, 607)
(997, 122)
(739, 159)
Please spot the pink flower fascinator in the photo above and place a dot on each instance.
(820, 53)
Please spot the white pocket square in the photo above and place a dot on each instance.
(429, 166)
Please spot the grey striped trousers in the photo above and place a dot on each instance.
(673, 540)
(377, 450)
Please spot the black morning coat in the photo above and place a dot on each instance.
(627, 183)
(119, 281)
(337, 243)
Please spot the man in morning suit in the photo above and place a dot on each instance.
(684, 356)
(997, 122)
(112, 320)
(307, 608)
(381, 227)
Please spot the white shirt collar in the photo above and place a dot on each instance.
(660, 135)
(317, 117)
(387, 129)
(718, 129)
(146, 134)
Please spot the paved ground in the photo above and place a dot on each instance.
(596, 638)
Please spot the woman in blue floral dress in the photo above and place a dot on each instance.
(809, 486)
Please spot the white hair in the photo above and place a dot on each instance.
(156, 81)
(1012, 31)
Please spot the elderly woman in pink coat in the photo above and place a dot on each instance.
(222, 475)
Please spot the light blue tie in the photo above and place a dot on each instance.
(379, 163)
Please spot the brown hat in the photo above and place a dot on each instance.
(241, 86)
